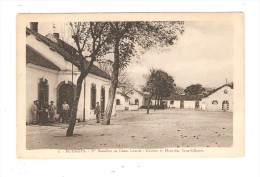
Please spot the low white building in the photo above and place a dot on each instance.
(122, 101)
(181, 101)
(220, 99)
(131, 100)
(49, 77)
(137, 98)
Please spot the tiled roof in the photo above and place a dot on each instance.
(215, 90)
(67, 51)
(34, 57)
(183, 97)
(123, 94)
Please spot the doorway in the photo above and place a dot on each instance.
(197, 104)
(182, 104)
(66, 92)
(225, 105)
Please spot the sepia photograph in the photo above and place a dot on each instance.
(110, 85)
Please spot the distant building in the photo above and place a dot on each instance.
(51, 77)
(130, 100)
(220, 99)
(181, 101)
(122, 101)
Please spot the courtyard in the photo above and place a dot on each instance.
(136, 129)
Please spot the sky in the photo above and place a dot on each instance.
(203, 54)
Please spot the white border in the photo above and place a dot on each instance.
(239, 167)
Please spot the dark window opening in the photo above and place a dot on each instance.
(117, 102)
(43, 92)
(136, 101)
(93, 96)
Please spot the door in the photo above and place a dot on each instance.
(197, 104)
(225, 105)
(66, 93)
(182, 104)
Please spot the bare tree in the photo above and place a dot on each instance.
(91, 38)
(126, 36)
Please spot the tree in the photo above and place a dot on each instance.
(195, 89)
(126, 36)
(91, 38)
(178, 90)
(159, 85)
(123, 81)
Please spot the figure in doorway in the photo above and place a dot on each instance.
(65, 112)
(52, 109)
(97, 112)
(45, 113)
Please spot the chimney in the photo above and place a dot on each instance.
(34, 26)
(56, 35)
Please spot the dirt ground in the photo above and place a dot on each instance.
(136, 129)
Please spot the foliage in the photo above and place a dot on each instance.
(159, 83)
(145, 35)
(194, 89)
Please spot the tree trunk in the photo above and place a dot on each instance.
(158, 100)
(155, 99)
(149, 101)
(114, 82)
(75, 105)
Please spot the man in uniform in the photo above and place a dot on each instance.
(65, 112)
(52, 109)
(97, 112)
(34, 110)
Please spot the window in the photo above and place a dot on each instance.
(117, 102)
(225, 91)
(43, 91)
(136, 101)
(172, 102)
(214, 102)
(93, 96)
(102, 99)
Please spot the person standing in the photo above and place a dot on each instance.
(65, 112)
(97, 112)
(52, 109)
(45, 113)
(34, 110)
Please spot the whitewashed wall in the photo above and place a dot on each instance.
(189, 104)
(123, 102)
(33, 74)
(218, 96)
(134, 95)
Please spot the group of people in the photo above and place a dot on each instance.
(46, 113)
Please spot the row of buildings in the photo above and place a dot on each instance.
(220, 99)
(51, 77)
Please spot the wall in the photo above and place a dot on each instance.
(189, 104)
(219, 96)
(133, 107)
(33, 73)
(64, 76)
(123, 102)
(134, 95)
